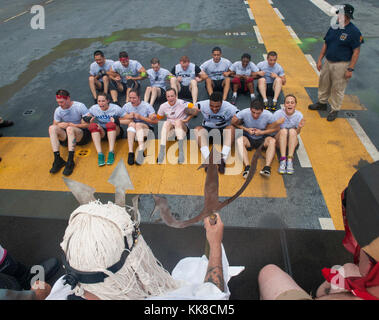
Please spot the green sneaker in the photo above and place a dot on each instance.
(100, 159)
(110, 159)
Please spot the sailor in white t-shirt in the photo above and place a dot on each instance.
(68, 129)
(286, 137)
(158, 77)
(105, 124)
(98, 78)
(125, 75)
(217, 115)
(270, 84)
(187, 75)
(140, 117)
(243, 73)
(257, 125)
(217, 70)
(174, 110)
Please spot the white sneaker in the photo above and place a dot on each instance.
(290, 169)
(282, 167)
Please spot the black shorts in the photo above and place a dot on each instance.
(254, 143)
(120, 135)
(85, 139)
(129, 84)
(185, 92)
(269, 90)
(217, 85)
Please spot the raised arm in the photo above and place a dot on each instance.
(214, 234)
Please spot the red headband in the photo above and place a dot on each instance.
(124, 59)
(58, 96)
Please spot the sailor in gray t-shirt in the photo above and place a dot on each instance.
(218, 72)
(217, 117)
(98, 78)
(270, 84)
(257, 125)
(158, 77)
(68, 129)
(125, 75)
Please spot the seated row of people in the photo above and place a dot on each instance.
(219, 74)
(75, 124)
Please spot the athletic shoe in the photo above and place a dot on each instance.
(234, 100)
(69, 168)
(332, 115)
(130, 158)
(318, 106)
(274, 107)
(140, 157)
(282, 167)
(290, 169)
(6, 123)
(110, 158)
(245, 172)
(266, 171)
(265, 103)
(58, 164)
(100, 160)
(221, 166)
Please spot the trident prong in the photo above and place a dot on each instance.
(121, 180)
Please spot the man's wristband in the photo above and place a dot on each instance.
(350, 69)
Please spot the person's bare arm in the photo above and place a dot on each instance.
(214, 234)
(321, 56)
(353, 62)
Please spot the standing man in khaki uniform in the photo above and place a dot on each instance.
(341, 50)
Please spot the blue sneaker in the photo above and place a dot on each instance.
(110, 159)
(282, 167)
(100, 160)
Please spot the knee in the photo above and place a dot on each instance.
(278, 80)
(283, 132)
(178, 123)
(262, 80)
(292, 132)
(53, 129)
(70, 131)
(93, 127)
(268, 272)
(270, 141)
(91, 79)
(110, 126)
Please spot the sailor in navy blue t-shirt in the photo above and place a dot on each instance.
(341, 51)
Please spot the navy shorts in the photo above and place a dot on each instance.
(254, 143)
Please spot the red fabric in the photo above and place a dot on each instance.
(237, 80)
(110, 126)
(61, 97)
(93, 127)
(356, 285)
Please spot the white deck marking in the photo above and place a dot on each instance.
(370, 147)
(324, 6)
(293, 34)
(278, 13)
(302, 155)
(312, 62)
(326, 224)
(258, 34)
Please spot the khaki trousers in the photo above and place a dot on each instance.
(332, 83)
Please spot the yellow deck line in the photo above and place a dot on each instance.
(27, 161)
(333, 147)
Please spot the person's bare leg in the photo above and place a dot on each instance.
(147, 95)
(56, 134)
(112, 138)
(180, 132)
(226, 88)
(202, 140)
(92, 86)
(277, 86)
(273, 281)
(194, 90)
(131, 134)
(174, 83)
(209, 85)
(242, 145)
(292, 142)
(166, 128)
(74, 135)
(282, 139)
(106, 84)
(270, 151)
(96, 138)
(155, 93)
(262, 88)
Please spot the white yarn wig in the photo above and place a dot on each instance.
(94, 241)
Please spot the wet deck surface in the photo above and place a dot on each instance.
(35, 63)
